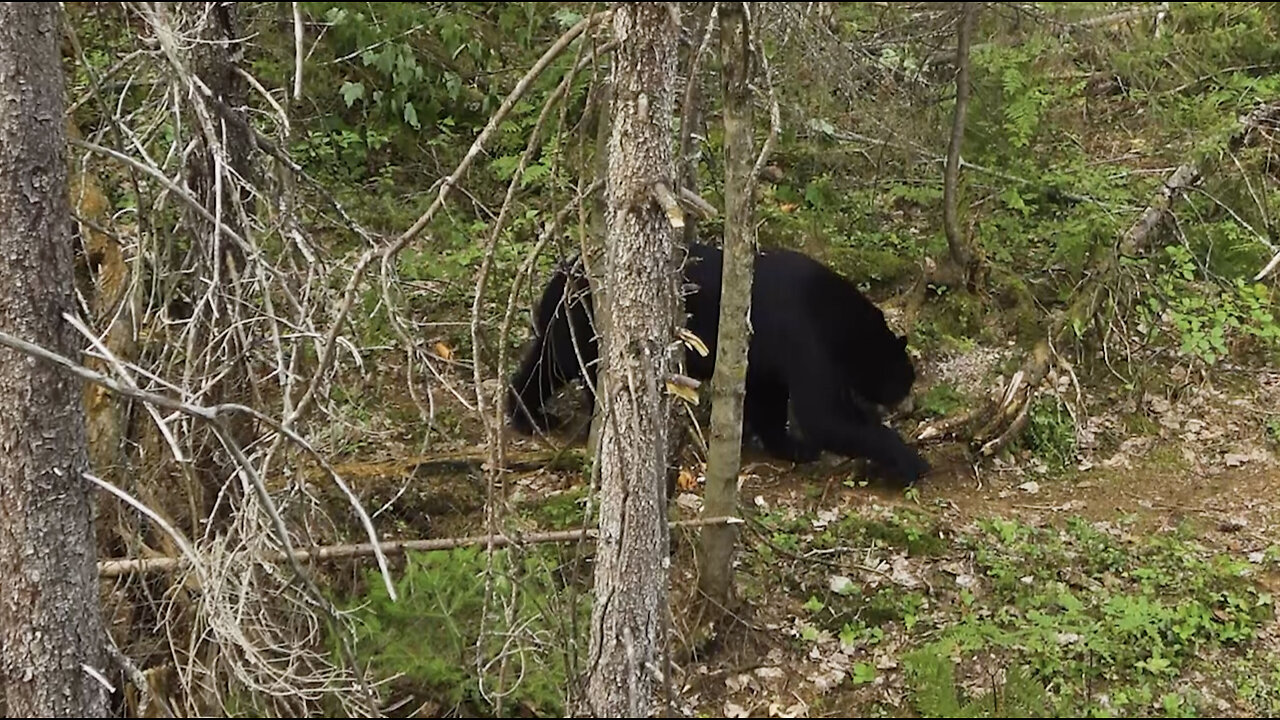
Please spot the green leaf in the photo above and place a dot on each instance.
(848, 636)
(567, 18)
(351, 92)
(411, 116)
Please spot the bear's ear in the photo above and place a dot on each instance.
(902, 340)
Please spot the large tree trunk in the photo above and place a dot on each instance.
(734, 336)
(50, 622)
(628, 623)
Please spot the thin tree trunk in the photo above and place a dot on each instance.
(691, 116)
(962, 255)
(50, 621)
(724, 454)
(222, 149)
(596, 238)
(628, 622)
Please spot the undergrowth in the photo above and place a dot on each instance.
(1085, 619)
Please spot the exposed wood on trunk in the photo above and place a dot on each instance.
(103, 277)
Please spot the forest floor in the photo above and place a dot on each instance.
(1134, 577)
(1137, 580)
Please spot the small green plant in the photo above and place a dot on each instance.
(429, 636)
(1051, 432)
(1081, 618)
(1272, 430)
(1205, 318)
(935, 693)
(940, 400)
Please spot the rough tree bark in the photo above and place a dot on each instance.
(50, 621)
(629, 623)
(728, 384)
(962, 257)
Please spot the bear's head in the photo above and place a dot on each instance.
(887, 372)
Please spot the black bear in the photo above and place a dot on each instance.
(818, 345)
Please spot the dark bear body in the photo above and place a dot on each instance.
(818, 346)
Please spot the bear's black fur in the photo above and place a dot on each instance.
(818, 344)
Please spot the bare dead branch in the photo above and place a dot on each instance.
(210, 415)
(698, 203)
(667, 200)
(775, 116)
(140, 566)
(389, 251)
(297, 51)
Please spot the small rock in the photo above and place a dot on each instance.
(1157, 404)
(1235, 459)
(794, 711)
(1068, 638)
(770, 673)
(824, 518)
(689, 501)
(1232, 524)
(738, 683)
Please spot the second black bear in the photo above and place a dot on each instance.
(818, 345)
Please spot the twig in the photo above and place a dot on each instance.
(297, 52)
(698, 203)
(390, 251)
(775, 115)
(139, 566)
(210, 414)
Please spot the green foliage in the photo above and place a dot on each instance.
(1086, 619)
(1206, 318)
(935, 693)
(564, 511)
(1087, 609)
(430, 635)
(1051, 432)
(1014, 91)
(1272, 430)
(397, 79)
(939, 400)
